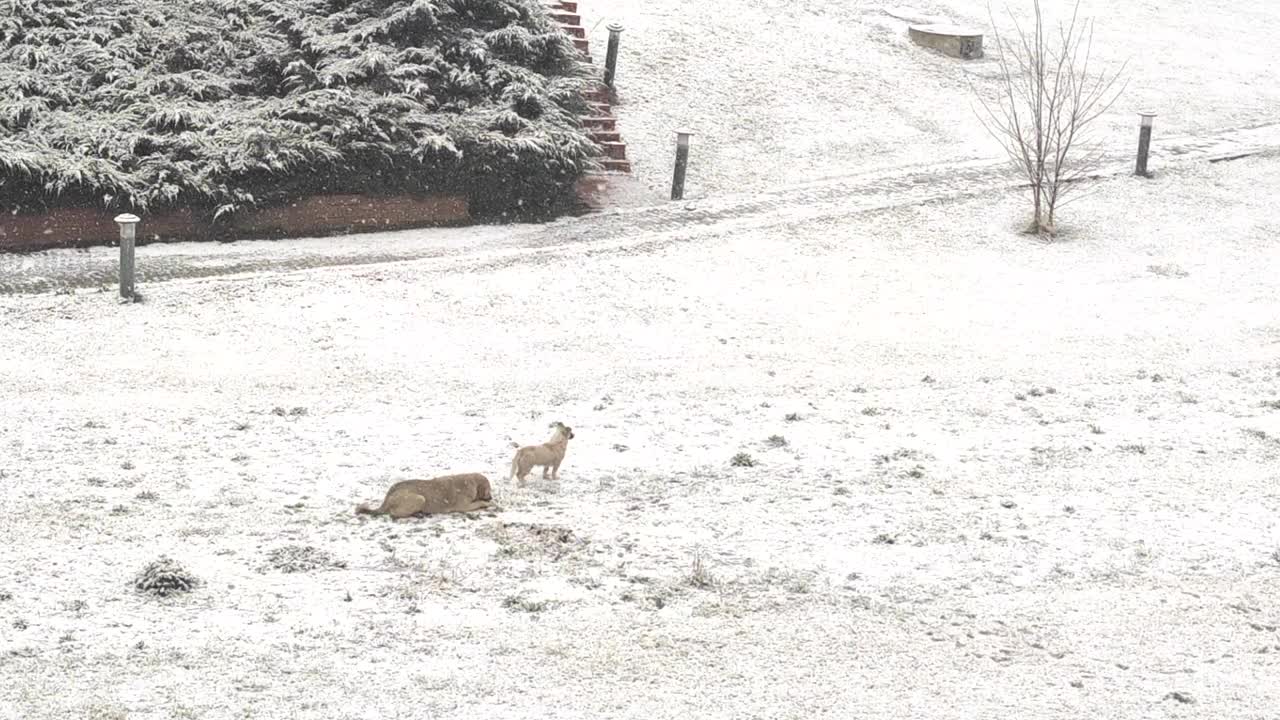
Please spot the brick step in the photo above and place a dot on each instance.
(600, 123)
(574, 31)
(591, 190)
(614, 150)
(594, 188)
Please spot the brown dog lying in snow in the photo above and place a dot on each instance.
(450, 493)
(549, 454)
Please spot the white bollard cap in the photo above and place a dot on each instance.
(128, 219)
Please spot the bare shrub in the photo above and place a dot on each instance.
(1048, 97)
(699, 575)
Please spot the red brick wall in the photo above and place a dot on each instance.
(318, 215)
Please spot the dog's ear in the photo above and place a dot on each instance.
(568, 431)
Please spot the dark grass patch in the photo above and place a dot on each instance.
(300, 558)
(165, 577)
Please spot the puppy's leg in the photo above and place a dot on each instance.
(407, 507)
(545, 469)
(477, 505)
(555, 470)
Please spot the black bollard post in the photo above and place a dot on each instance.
(611, 55)
(1144, 143)
(682, 160)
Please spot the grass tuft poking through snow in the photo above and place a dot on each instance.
(165, 577)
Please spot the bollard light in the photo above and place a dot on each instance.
(1144, 143)
(611, 55)
(682, 161)
(128, 223)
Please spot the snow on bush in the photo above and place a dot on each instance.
(223, 105)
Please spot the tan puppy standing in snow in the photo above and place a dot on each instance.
(549, 454)
(449, 493)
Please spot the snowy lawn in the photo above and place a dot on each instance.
(782, 92)
(993, 477)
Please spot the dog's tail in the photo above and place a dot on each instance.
(364, 509)
(514, 464)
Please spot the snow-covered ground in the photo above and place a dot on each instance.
(1009, 479)
(781, 92)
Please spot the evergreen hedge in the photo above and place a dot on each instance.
(223, 105)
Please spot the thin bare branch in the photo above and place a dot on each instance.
(1048, 96)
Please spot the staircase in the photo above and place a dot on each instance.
(600, 120)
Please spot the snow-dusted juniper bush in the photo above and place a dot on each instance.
(223, 105)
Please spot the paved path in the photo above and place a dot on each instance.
(633, 229)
